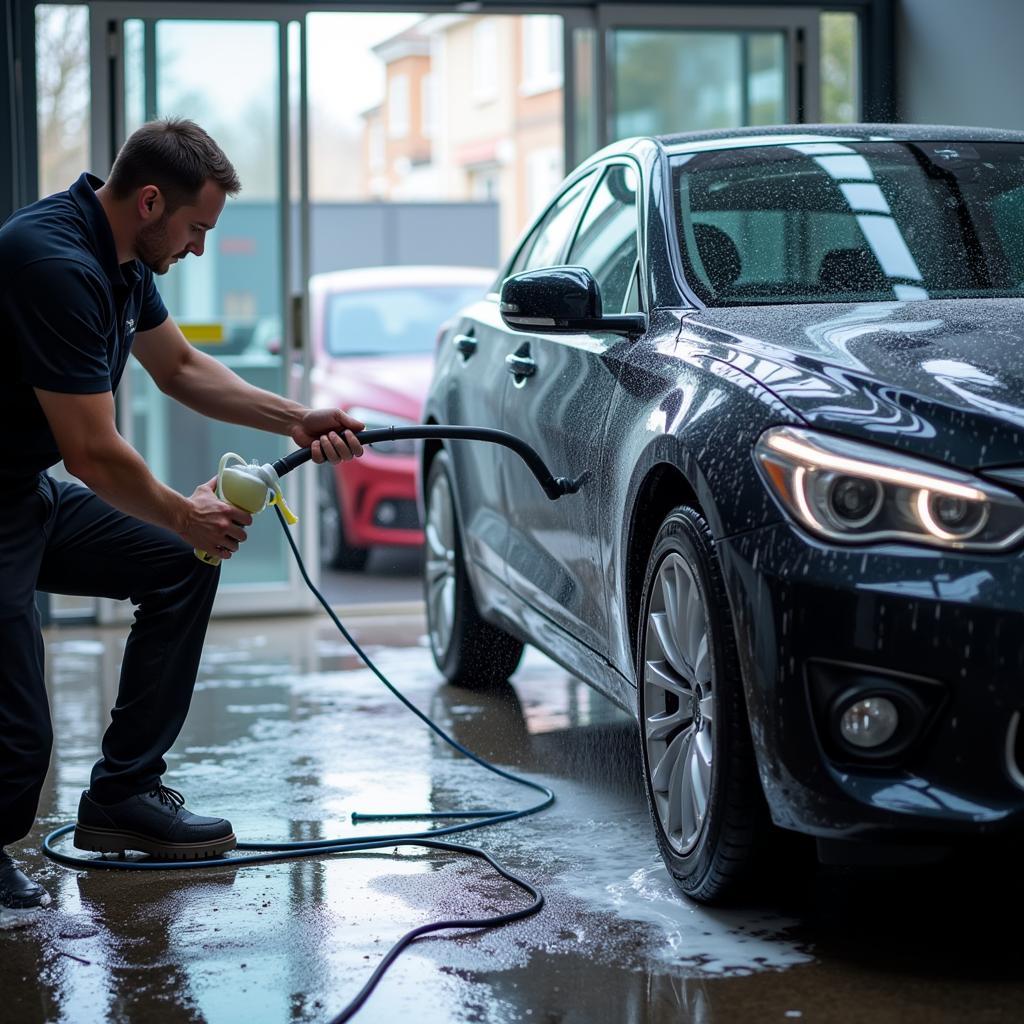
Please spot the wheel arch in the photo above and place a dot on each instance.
(662, 488)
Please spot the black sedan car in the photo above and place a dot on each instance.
(787, 372)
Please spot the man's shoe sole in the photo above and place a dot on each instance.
(109, 840)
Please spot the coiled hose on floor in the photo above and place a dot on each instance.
(464, 820)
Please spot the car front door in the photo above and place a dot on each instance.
(561, 388)
(477, 382)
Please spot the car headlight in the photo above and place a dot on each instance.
(375, 419)
(857, 493)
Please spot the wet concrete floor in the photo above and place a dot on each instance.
(289, 734)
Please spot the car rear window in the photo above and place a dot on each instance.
(851, 222)
(392, 321)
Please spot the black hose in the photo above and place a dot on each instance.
(554, 487)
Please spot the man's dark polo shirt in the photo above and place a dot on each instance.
(68, 314)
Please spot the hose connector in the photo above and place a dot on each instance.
(273, 481)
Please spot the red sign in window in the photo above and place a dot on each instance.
(238, 246)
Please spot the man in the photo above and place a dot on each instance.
(76, 294)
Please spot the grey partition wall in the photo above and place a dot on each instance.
(345, 235)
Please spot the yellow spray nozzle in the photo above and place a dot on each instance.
(278, 499)
(269, 474)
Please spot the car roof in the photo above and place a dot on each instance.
(803, 134)
(361, 278)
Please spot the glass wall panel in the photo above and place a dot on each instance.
(62, 124)
(62, 94)
(135, 105)
(673, 80)
(765, 78)
(585, 123)
(225, 76)
(840, 59)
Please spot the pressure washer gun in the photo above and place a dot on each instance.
(252, 487)
(248, 486)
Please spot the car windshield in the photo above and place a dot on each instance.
(393, 321)
(852, 222)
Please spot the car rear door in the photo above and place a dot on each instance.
(477, 380)
(561, 389)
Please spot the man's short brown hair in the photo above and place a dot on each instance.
(177, 156)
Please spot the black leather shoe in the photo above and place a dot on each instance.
(156, 823)
(20, 898)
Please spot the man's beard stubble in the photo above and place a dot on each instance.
(151, 247)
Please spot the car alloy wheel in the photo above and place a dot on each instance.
(679, 704)
(698, 761)
(439, 565)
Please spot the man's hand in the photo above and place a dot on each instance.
(213, 525)
(330, 434)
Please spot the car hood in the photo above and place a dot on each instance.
(940, 378)
(393, 384)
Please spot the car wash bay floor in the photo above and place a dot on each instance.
(288, 734)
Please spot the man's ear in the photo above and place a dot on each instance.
(150, 203)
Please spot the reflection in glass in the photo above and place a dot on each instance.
(871, 221)
(866, 198)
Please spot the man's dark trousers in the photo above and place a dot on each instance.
(60, 538)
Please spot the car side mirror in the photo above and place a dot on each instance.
(561, 300)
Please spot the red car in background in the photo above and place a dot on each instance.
(373, 335)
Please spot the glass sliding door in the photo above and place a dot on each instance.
(690, 68)
(232, 76)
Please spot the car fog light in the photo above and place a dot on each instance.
(386, 513)
(870, 722)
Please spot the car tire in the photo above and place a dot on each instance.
(694, 732)
(335, 550)
(469, 651)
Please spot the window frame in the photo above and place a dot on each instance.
(605, 166)
(597, 171)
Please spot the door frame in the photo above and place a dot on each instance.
(107, 131)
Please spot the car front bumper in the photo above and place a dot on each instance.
(950, 627)
(378, 500)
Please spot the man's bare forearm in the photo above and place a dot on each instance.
(119, 475)
(212, 389)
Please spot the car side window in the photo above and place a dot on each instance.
(606, 241)
(545, 246)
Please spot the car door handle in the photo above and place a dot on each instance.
(520, 366)
(464, 344)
